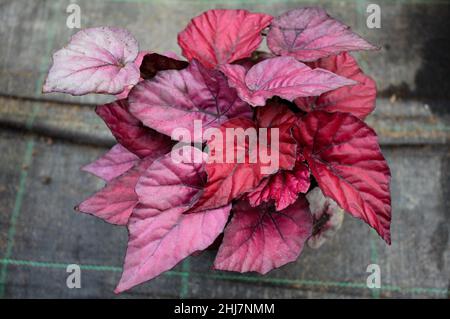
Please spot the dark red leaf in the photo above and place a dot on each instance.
(283, 188)
(358, 99)
(222, 36)
(130, 132)
(261, 239)
(154, 62)
(345, 158)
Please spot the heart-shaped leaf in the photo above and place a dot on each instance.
(281, 76)
(345, 158)
(261, 238)
(160, 234)
(175, 99)
(222, 36)
(310, 33)
(96, 60)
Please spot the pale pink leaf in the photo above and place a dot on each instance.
(96, 60)
(137, 62)
(310, 33)
(281, 76)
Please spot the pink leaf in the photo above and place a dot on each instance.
(281, 76)
(116, 201)
(261, 239)
(227, 180)
(96, 60)
(175, 99)
(310, 33)
(160, 234)
(358, 99)
(327, 217)
(283, 188)
(222, 36)
(112, 164)
(130, 132)
(345, 158)
(137, 62)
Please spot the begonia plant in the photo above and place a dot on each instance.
(302, 104)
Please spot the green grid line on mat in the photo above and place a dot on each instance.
(185, 269)
(27, 161)
(16, 211)
(290, 283)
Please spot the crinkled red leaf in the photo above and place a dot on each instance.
(160, 234)
(113, 163)
(281, 76)
(310, 33)
(229, 180)
(277, 115)
(96, 60)
(261, 239)
(222, 36)
(130, 132)
(358, 99)
(327, 217)
(175, 99)
(345, 158)
(283, 188)
(116, 201)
